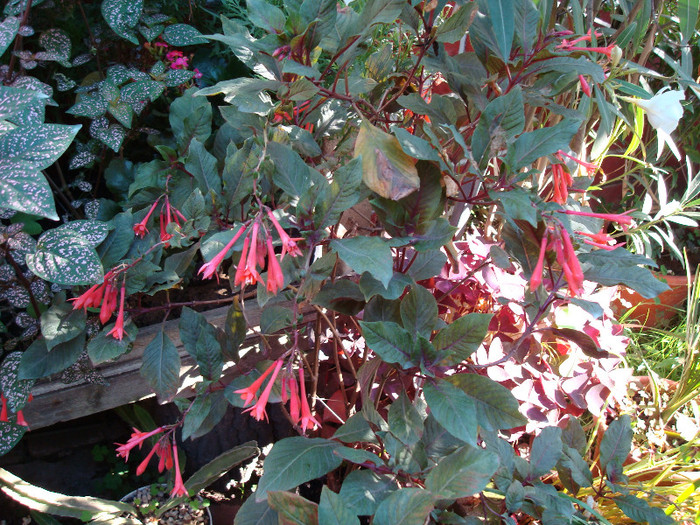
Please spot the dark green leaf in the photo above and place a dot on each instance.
(619, 266)
(221, 464)
(342, 296)
(639, 510)
(38, 362)
(463, 473)
(119, 240)
(344, 192)
(419, 311)
(256, 513)
(190, 118)
(457, 24)
(463, 336)
(238, 176)
(161, 366)
(104, 347)
(196, 414)
(453, 409)
(274, 318)
(293, 461)
(333, 510)
(545, 452)
(266, 16)
(496, 408)
(293, 509)
(356, 428)
(616, 445)
(409, 506)
(364, 490)
(208, 355)
(60, 323)
(358, 456)
(65, 257)
(575, 467)
(414, 146)
(427, 264)
(405, 421)
(501, 18)
(8, 30)
(532, 145)
(366, 254)
(291, 172)
(371, 286)
(389, 341)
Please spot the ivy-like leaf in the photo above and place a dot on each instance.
(161, 366)
(65, 257)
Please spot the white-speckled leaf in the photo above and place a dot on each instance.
(182, 35)
(122, 112)
(93, 231)
(63, 83)
(111, 135)
(10, 434)
(65, 257)
(89, 105)
(8, 30)
(39, 146)
(15, 390)
(151, 33)
(57, 42)
(175, 77)
(142, 91)
(24, 189)
(122, 16)
(14, 100)
(82, 159)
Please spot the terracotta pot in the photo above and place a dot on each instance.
(652, 312)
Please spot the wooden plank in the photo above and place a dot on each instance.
(55, 401)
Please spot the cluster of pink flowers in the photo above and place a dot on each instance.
(557, 238)
(562, 179)
(4, 411)
(256, 250)
(295, 393)
(570, 45)
(168, 214)
(179, 61)
(105, 296)
(166, 452)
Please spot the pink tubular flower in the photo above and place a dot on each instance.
(294, 406)
(307, 420)
(179, 488)
(569, 263)
(210, 268)
(590, 167)
(90, 298)
(585, 87)
(165, 456)
(561, 182)
(620, 218)
(108, 305)
(536, 278)
(118, 331)
(249, 393)
(137, 438)
(275, 277)
(140, 228)
(600, 240)
(289, 245)
(258, 409)
(21, 420)
(607, 51)
(246, 273)
(142, 466)
(3, 411)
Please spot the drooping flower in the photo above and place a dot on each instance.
(142, 466)
(258, 409)
(90, 298)
(607, 51)
(585, 86)
(294, 405)
(179, 488)
(589, 166)
(536, 278)
(21, 420)
(3, 411)
(249, 393)
(600, 240)
(137, 438)
(289, 245)
(210, 268)
(246, 273)
(165, 455)
(566, 256)
(561, 182)
(118, 331)
(109, 303)
(275, 277)
(620, 218)
(664, 110)
(307, 420)
(140, 228)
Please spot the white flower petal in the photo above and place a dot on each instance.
(664, 110)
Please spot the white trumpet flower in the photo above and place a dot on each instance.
(663, 110)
